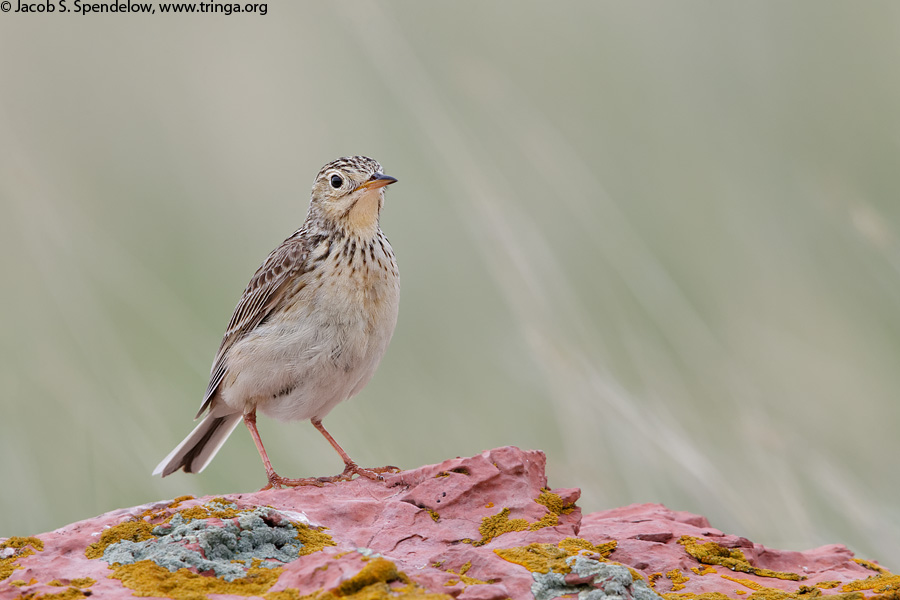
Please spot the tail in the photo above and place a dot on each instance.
(198, 448)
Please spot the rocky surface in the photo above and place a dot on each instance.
(479, 528)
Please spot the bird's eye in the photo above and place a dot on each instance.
(336, 181)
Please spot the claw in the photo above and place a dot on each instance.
(277, 481)
(353, 469)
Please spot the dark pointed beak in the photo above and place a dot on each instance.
(378, 180)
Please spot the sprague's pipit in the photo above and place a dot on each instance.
(311, 327)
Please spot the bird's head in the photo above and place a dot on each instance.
(349, 193)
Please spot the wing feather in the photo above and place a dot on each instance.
(261, 296)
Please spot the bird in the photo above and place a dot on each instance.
(310, 328)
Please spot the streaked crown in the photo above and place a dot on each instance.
(344, 175)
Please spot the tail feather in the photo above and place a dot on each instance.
(200, 446)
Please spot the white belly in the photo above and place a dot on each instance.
(320, 353)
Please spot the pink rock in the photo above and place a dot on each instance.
(440, 525)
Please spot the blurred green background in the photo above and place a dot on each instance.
(657, 240)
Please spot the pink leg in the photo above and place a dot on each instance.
(275, 480)
(351, 467)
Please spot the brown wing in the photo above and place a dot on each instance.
(258, 300)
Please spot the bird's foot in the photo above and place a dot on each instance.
(353, 469)
(276, 481)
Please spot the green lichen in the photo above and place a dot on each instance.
(22, 547)
(243, 550)
(257, 537)
(711, 553)
(595, 579)
(227, 550)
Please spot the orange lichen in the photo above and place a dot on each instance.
(677, 578)
(872, 566)
(497, 525)
(537, 558)
(555, 507)
(147, 578)
(465, 579)
(226, 510)
(378, 570)
(160, 513)
(574, 545)
(544, 558)
(707, 570)
(804, 592)
(74, 591)
(373, 582)
(711, 553)
(883, 583)
(808, 591)
(177, 501)
(460, 470)
(134, 531)
(69, 594)
(690, 596)
(753, 585)
(312, 539)
(22, 547)
(500, 523)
